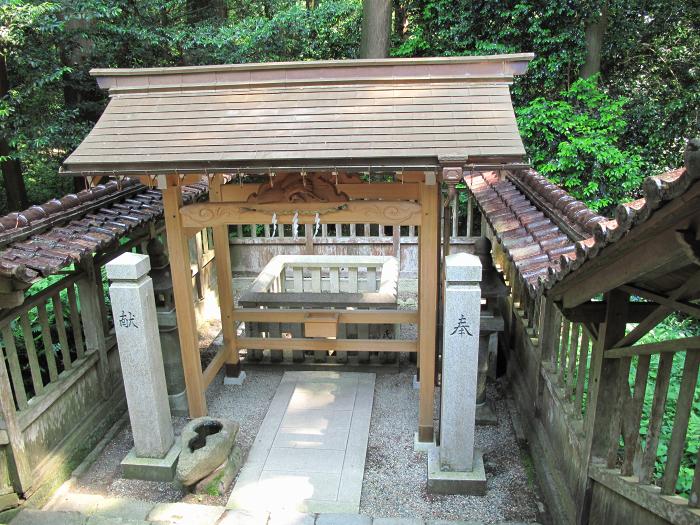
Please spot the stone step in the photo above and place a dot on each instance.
(90, 509)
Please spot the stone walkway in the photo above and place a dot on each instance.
(309, 455)
(116, 511)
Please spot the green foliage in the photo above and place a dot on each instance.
(649, 75)
(576, 142)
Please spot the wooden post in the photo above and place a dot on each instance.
(181, 272)
(91, 301)
(23, 472)
(603, 410)
(224, 279)
(427, 304)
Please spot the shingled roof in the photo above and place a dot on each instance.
(43, 239)
(390, 113)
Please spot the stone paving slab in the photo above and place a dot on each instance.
(309, 454)
(194, 514)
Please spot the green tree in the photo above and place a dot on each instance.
(575, 140)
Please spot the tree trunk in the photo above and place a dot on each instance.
(595, 33)
(401, 19)
(15, 189)
(200, 10)
(310, 4)
(376, 28)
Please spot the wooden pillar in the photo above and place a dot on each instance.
(603, 407)
(224, 279)
(178, 250)
(91, 293)
(428, 243)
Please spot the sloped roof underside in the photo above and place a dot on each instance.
(407, 122)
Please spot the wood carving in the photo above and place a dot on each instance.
(295, 188)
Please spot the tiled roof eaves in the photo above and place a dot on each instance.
(542, 253)
(531, 240)
(657, 191)
(42, 243)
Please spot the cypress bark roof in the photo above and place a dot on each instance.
(354, 113)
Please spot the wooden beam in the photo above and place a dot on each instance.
(652, 245)
(214, 366)
(374, 316)
(181, 272)
(678, 305)
(674, 345)
(320, 344)
(224, 279)
(688, 288)
(205, 214)
(594, 312)
(392, 191)
(428, 240)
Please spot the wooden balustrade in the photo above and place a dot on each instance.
(636, 426)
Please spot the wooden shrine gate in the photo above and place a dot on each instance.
(314, 134)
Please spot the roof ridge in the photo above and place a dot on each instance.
(576, 211)
(38, 217)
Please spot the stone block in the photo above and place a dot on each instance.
(44, 517)
(343, 519)
(186, 514)
(128, 267)
(290, 518)
(398, 521)
(486, 415)
(472, 483)
(460, 358)
(151, 469)
(244, 517)
(462, 267)
(235, 380)
(219, 481)
(124, 508)
(205, 444)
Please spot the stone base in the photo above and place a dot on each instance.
(421, 446)
(178, 404)
(486, 415)
(469, 483)
(236, 380)
(219, 481)
(151, 469)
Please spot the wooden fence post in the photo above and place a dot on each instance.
(23, 473)
(603, 410)
(91, 297)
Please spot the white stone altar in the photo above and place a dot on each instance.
(154, 455)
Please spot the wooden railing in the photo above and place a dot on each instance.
(615, 416)
(350, 299)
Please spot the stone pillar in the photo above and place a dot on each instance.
(133, 307)
(455, 467)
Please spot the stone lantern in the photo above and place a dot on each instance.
(492, 291)
(167, 327)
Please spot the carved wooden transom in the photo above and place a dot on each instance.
(292, 187)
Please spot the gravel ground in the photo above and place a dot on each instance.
(248, 406)
(394, 480)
